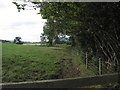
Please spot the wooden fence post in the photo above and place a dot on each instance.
(100, 66)
(86, 59)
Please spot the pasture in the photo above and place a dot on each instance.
(31, 63)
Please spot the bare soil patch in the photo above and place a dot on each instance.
(70, 69)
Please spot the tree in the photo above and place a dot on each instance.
(92, 26)
(43, 38)
(49, 31)
(17, 40)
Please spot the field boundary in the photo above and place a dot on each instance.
(66, 83)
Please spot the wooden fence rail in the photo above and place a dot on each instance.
(66, 83)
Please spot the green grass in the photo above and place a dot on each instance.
(21, 63)
(84, 71)
(78, 58)
(30, 63)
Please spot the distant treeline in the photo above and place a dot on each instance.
(4, 41)
(8, 41)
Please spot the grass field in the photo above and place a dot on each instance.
(30, 63)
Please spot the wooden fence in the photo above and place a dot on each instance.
(66, 83)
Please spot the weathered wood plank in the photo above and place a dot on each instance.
(66, 83)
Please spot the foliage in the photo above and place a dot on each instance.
(93, 26)
(17, 40)
(49, 31)
(43, 38)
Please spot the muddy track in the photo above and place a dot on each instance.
(71, 69)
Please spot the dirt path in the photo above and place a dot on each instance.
(70, 69)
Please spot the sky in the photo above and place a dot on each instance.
(26, 24)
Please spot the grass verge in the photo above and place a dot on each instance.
(29, 63)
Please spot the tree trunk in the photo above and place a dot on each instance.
(51, 42)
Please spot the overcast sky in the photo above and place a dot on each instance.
(26, 24)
